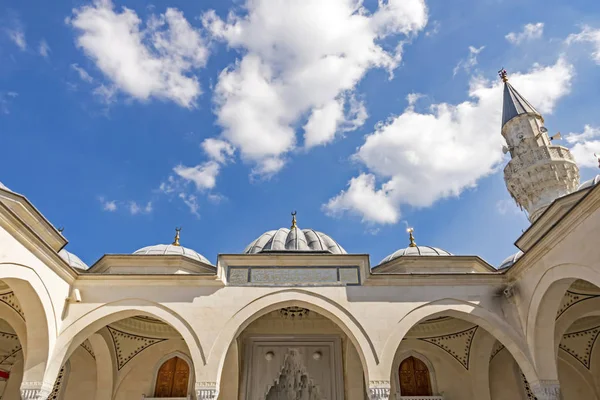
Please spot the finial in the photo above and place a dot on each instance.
(598, 157)
(61, 230)
(176, 241)
(294, 220)
(503, 75)
(411, 237)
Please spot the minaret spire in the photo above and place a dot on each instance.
(539, 171)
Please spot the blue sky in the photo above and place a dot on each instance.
(123, 120)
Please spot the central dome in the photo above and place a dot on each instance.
(294, 239)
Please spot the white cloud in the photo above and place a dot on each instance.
(17, 35)
(203, 175)
(191, 201)
(5, 100)
(584, 145)
(152, 61)
(44, 49)
(506, 206)
(423, 157)
(83, 74)
(302, 60)
(218, 150)
(135, 208)
(108, 205)
(588, 35)
(530, 32)
(470, 62)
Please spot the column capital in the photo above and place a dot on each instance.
(546, 390)
(207, 390)
(36, 390)
(379, 390)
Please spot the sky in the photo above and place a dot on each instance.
(121, 120)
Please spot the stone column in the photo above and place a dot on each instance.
(546, 390)
(379, 390)
(207, 390)
(36, 390)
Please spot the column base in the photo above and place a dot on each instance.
(35, 390)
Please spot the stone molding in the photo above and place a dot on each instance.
(35, 390)
(207, 390)
(379, 390)
(546, 390)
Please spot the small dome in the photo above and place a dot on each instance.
(509, 261)
(589, 183)
(171, 249)
(294, 239)
(73, 260)
(416, 251)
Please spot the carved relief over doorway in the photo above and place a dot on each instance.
(292, 368)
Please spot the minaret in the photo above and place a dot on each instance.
(538, 172)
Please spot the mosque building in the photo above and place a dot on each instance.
(296, 316)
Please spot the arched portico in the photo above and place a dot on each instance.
(290, 298)
(492, 323)
(543, 307)
(109, 313)
(40, 318)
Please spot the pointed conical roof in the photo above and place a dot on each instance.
(514, 104)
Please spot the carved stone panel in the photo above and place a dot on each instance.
(292, 368)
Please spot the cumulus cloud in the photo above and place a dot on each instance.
(154, 60)
(584, 145)
(108, 205)
(301, 63)
(587, 35)
(203, 175)
(529, 32)
(470, 62)
(218, 150)
(423, 157)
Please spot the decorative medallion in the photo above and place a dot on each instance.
(128, 345)
(570, 299)
(458, 344)
(294, 312)
(293, 382)
(498, 347)
(57, 384)
(88, 347)
(528, 392)
(580, 344)
(10, 300)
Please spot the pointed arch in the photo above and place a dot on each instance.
(40, 317)
(166, 358)
(542, 310)
(108, 313)
(288, 298)
(475, 314)
(403, 355)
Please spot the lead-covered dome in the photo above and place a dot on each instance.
(509, 261)
(294, 239)
(589, 183)
(73, 260)
(415, 250)
(173, 249)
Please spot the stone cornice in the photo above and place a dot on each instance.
(144, 279)
(589, 203)
(436, 279)
(434, 264)
(174, 261)
(34, 243)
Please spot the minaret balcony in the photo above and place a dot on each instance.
(537, 155)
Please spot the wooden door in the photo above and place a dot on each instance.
(172, 379)
(414, 378)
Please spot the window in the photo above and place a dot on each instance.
(414, 378)
(172, 378)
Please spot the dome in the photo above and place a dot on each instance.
(509, 261)
(172, 249)
(73, 260)
(589, 183)
(416, 251)
(294, 239)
